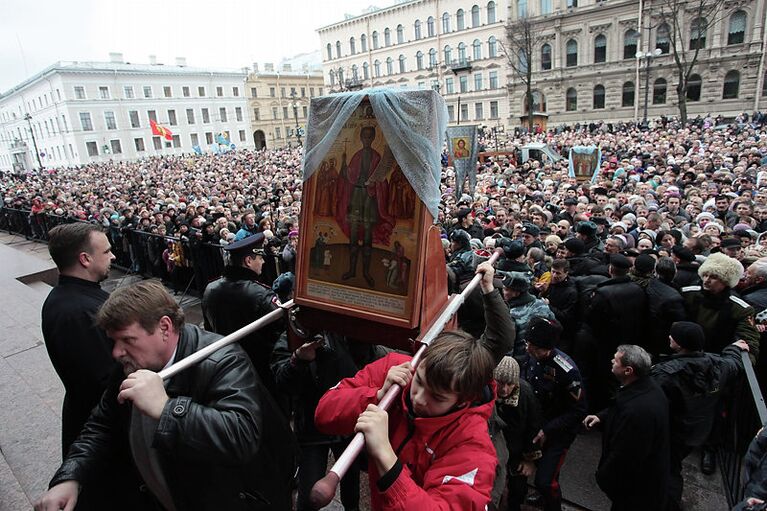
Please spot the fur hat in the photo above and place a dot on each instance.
(725, 268)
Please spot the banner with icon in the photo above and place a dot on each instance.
(584, 162)
(463, 146)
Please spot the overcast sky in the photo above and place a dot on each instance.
(231, 34)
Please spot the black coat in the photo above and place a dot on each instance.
(686, 275)
(634, 468)
(221, 441)
(664, 307)
(520, 425)
(618, 313)
(563, 302)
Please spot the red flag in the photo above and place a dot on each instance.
(160, 130)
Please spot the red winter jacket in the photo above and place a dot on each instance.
(448, 461)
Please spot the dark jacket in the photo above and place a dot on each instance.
(520, 425)
(221, 441)
(563, 302)
(618, 313)
(756, 467)
(664, 307)
(634, 467)
(686, 275)
(756, 296)
(586, 264)
(236, 300)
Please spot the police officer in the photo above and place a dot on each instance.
(556, 382)
(237, 299)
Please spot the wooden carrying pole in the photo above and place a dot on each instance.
(324, 489)
(235, 336)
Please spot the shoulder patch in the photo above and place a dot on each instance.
(739, 301)
(687, 289)
(563, 363)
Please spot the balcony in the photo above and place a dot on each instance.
(18, 146)
(456, 66)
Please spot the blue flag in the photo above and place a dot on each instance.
(197, 149)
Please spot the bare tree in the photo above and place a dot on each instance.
(677, 15)
(522, 41)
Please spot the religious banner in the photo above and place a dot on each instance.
(584, 162)
(462, 146)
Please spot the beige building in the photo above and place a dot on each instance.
(279, 103)
(585, 66)
(453, 46)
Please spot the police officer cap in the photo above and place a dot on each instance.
(570, 201)
(620, 261)
(462, 213)
(543, 333)
(252, 243)
(511, 248)
(587, 228)
(531, 229)
(460, 236)
(517, 280)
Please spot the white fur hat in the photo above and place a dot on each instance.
(725, 268)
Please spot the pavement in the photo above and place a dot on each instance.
(31, 396)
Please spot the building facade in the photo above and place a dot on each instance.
(82, 112)
(585, 66)
(452, 46)
(279, 103)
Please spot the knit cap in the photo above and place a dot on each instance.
(507, 371)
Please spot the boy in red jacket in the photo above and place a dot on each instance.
(432, 449)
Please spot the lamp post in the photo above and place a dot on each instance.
(28, 118)
(294, 104)
(647, 57)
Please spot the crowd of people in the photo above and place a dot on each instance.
(630, 298)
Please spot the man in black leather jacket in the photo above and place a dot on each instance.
(210, 439)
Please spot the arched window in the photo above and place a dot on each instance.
(400, 34)
(571, 52)
(352, 46)
(490, 12)
(698, 29)
(600, 49)
(445, 23)
(375, 40)
(630, 40)
(432, 57)
(522, 8)
(694, 84)
(475, 16)
(663, 39)
(338, 49)
(476, 49)
(459, 23)
(546, 57)
(659, 92)
(389, 66)
(419, 60)
(492, 47)
(355, 75)
(524, 62)
(737, 32)
(365, 71)
(340, 76)
(332, 75)
(731, 85)
(430, 26)
(571, 100)
(539, 102)
(330, 51)
(402, 63)
(448, 55)
(461, 52)
(599, 97)
(387, 37)
(628, 94)
(417, 29)
(377, 68)
(545, 7)
(364, 42)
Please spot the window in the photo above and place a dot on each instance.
(490, 12)
(167, 92)
(572, 3)
(103, 93)
(352, 46)
(195, 139)
(272, 92)
(400, 34)
(329, 49)
(464, 113)
(172, 118)
(375, 40)
(277, 133)
(116, 147)
(492, 47)
(305, 111)
(256, 114)
(185, 91)
(628, 94)
(659, 92)
(430, 26)
(446, 23)
(303, 92)
(208, 137)
(572, 53)
(698, 29)
(539, 102)
(477, 81)
(475, 16)
(546, 57)
(128, 92)
(476, 49)
(462, 53)
(737, 31)
(190, 116)
(449, 89)
(148, 91)
(435, 85)
(450, 113)
(463, 83)
(152, 115)
(599, 97)
(662, 39)
(365, 71)
(93, 148)
(417, 29)
(134, 119)
(242, 135)
(109, 120)
(522, 8)
(338, 49)
(176, 141)
(219, 91)
(523, 61)
(694, 84)
(493, 109)
(419, 60)
(389, 66)
(377, 68)
(79, 92)
(731, 85)
(139, 144)
(459, 21)
(493, 75)
(448, 54)
(478, 113)
(402, 63)
(238, 113)
(387, 37)
(545, 7)
(157, 143)
(600, 49)
(274, 113)
(85, 121)
(236, 92)
(630, 41)
(285, 113)
(432, 57)
(571, 100)
(201, 92)
(205, 116)
(364, 42)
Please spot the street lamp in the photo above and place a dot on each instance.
(28, 118)
(294, 104)
(648, 57)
